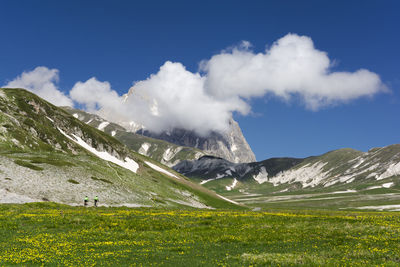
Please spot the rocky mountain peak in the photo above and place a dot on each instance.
(230, 145)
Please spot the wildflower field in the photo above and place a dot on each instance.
(52, 234)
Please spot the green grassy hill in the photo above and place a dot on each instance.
(340, 179)
(42, 158)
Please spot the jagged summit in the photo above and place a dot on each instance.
(231, 145)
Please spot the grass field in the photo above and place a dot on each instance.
(53, 234)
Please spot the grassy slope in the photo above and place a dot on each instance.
(31, 145)
(25, 118)
(339, 162)
(158, 147)
(51, 234)
(135, 141)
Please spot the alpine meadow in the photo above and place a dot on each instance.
(212, 133)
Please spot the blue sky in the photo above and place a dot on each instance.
(126, 41)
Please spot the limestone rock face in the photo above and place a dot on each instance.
(230, 145)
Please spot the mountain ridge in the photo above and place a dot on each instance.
(231, 144)
(49, 155)
(162, 151)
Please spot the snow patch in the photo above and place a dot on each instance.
(103, 125)
(394, 169)
(75, 115)
(170, 153)
(373, 187)
(233, 148)
(383, 207)
(262, 176)
(360, 161)
(159, 169)
(387, 185)
(89, 121)
(144, 148)
(127, 164)
(219, 176)
(167, 154)
(344, 192)
(50, 119)
(347, 178)
(227, 199)
(373, 174)
(232, 186)
(206, 181)
(113, 133)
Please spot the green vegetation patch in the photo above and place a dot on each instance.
(72, 181)
(28, 165)
(41, 233)
(51, 161)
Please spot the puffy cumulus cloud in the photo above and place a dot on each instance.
(291, 66)
(171, 98)
(95, 95)
(98, 97)
(176, 98)
(42, 81)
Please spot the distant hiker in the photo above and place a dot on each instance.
(96, 199)
(86, 201)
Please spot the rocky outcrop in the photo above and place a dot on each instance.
(230, 145)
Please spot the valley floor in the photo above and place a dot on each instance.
(54, 234)
(380, 199)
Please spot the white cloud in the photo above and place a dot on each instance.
(95, 95)
(292, 66)
(171, 98)
(42, 81)
(177, 98)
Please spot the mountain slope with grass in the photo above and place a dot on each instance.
(48, 155)
(159, 150)
(344, 178)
